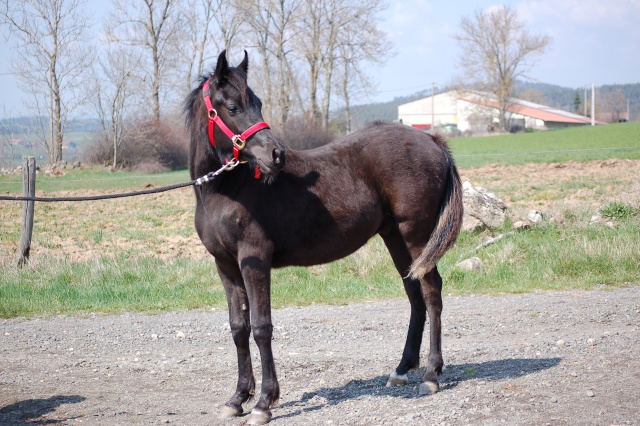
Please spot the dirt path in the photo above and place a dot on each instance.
(542, 358)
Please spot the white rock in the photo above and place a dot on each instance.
(180, 335)
(482, 208)
(471, 264)
(535, 216)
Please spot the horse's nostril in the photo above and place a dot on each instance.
(278, 157)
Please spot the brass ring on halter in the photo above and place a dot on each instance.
(213, 113)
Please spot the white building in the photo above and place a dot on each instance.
(477, 113)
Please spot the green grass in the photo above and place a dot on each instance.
(94, 178)
(618, 211)
(52, 286)
(584, 143)
(548, 258)
(558, 256)
(544, 258)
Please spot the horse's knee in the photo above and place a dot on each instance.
(240, 332)
(262, 333)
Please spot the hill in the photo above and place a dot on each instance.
(609, 99)
(25, 125)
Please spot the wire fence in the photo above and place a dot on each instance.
(145, 210)
(559, 151)
(41, 180)
(45, 181)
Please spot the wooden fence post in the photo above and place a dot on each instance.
(29, 190)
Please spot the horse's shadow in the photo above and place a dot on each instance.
(453, 375)
(28, 412)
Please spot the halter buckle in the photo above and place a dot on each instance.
(239, 145)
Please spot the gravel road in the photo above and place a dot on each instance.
(557, 358)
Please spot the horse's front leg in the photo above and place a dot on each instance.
(256, 271)
(240, 329)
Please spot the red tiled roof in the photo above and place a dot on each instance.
(421, 126)
(539, 112)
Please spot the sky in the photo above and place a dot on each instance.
(593, 42)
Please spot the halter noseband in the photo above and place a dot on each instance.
(239, 141)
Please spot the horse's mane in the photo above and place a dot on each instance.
(191, 99)
(441, 140)
(235, 76)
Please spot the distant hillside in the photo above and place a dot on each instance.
(21, 125)
(545, 94)
(386, 111)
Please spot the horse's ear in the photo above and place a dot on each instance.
(245, 62)
(222, 66)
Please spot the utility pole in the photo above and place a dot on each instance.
(433, 97)
(52, 157)
(593, 104)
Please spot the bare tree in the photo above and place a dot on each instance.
(114, 77)
(154, 27)
(615, 103)
(335, 38)
(6, 137)
(211, 26)
(495, 51)
(52, 54)
(312, 28)
(229, 19)
(272, 27)
(361, 43)
(198, 19)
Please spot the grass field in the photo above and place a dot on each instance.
(75, 142)
(584, 143)
(142, 254)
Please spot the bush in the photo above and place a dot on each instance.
(147, 146)
(618, 211)
(304, 133)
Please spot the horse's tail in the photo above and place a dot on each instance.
(447, 226)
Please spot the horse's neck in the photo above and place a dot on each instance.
(201, 161)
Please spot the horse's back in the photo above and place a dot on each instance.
(401, 170)
(405, 163)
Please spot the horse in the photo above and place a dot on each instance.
(272, 207)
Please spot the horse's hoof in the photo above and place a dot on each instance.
(259, 417)
(396, 379)
(428, 388)
(229, 412)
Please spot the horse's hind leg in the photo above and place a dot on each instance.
(405, 244)
(240, 329)
(411, 353)
(432, 292)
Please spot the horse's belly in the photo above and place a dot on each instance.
(323, 247)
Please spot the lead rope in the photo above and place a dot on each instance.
(197, 182)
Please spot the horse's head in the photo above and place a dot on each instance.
(236, 126)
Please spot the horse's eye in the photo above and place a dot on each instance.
(233, 110)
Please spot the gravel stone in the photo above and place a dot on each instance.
(502, 364)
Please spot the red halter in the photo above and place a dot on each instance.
(239, 141)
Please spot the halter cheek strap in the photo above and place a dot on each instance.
(239, 141)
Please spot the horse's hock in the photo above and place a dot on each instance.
(482, 208)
